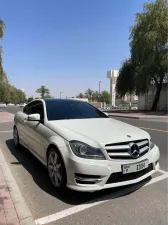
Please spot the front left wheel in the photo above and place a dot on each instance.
(16, 137)
(56, 169)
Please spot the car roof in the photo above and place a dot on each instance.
(60, 100)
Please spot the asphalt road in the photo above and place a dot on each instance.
(132, 205)
(11, 109)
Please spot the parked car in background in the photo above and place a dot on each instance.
(3, 105)
(22, 105)
(82, 147)
(11, 104)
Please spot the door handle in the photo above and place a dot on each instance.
(25, 119)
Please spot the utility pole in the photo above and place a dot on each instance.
(60, 94)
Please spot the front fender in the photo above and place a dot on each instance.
(56, 140)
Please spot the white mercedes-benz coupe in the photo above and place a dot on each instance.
(82, 147)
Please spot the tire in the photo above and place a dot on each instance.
(16, 137)
(56, 169)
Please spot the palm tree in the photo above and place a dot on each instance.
(89, 93)
(43, 91)
(95, 96)
(80, 95)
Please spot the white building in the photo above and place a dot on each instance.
(112, 75)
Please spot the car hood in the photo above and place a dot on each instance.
(97, 131)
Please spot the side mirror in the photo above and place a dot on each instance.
(106, 113)
(34, 117)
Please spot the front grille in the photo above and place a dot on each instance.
(120, 177)
(121, 150)
(87, 179)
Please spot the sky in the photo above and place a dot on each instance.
(66, 45)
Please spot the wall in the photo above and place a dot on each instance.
(97, 104)
(145, 101)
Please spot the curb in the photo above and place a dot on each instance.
(22, 210)
(131, 117)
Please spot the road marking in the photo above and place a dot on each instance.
(146, 128)
(66, 212)
(79, 208)
(157, 179)
(6, 131)
(162, 171)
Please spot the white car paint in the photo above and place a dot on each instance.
(95, 132)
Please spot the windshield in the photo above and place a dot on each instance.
(57, 110)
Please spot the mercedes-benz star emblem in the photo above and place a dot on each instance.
(134, 150)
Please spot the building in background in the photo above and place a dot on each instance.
(127, 99)
(145, 101)
(95, 104)
(112, 75)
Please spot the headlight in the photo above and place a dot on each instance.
(85, 151)
(152, 144)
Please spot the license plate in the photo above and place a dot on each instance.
(135, 167)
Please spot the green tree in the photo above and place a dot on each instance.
(105, 97)
(3, 77)
(2, 26)
(149, 52)
(43, 91)
(126, 79)
(48, 96)
(30, 99)
(89, 94)
(81, 95)
(96, 96)
(8, 93)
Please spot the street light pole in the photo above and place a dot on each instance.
(99, 87)
(60, 94)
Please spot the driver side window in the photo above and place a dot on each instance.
(38, 108)
(34, 107)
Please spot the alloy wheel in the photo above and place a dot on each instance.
(55, 169)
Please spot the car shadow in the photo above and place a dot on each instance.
(40, 177)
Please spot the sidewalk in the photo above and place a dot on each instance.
(6, 117)
(138, 115)
(8, 213)
(13, 209)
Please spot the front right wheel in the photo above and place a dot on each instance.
(56, 169)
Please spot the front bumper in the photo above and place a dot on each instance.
(79, 169)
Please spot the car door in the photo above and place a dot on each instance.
(34, 129)
(21, 124)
